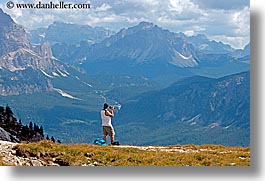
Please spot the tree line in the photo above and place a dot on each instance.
(24, 133)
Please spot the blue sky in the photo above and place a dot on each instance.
(227, 21)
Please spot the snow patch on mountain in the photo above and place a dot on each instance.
(212, 106)
(89, 85)
(193, 120)
(193, 123)
(77, 77)
(64, 94)
(182, 61)
(46, 74)
(42, 35)
(183, 57)
(103, 97)
(13, 69)
(203, 46)
(213, 125)
(63, 74)
(55, 74)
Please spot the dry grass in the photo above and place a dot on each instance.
(85, 154)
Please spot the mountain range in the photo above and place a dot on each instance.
(66, 39)
(192, 110)
(145, 50)
(61, 82)
(161, 55)
(72, 34)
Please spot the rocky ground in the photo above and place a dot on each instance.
(9, 156)
(195, 155)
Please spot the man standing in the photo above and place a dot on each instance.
(106, 115)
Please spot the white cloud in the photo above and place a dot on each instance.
(222, 4)
(222, 20)
(242, 20)
(189, 32)
(182, 5)
(103, 7)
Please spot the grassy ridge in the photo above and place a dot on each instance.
(185, 155)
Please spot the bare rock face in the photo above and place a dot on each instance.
(16, 52)
(24, 68)
(46, 62)
(12, 36)
(6, 136)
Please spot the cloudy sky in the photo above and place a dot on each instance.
(224, 20)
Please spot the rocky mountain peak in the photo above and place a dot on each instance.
(145, 44)
(16, 52)
(12, 36)
(146, 25)
(5, 19)
(27, 67)
(143, 26)
(44, 50)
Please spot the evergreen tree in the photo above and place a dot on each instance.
(52, 139)
(59, 141)
(41, 131)
(9, 112)
(36, 128)
(2, 117)
(47, 137)
(16, 128)
(2, 109)
(24, 130)
(30, 125)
